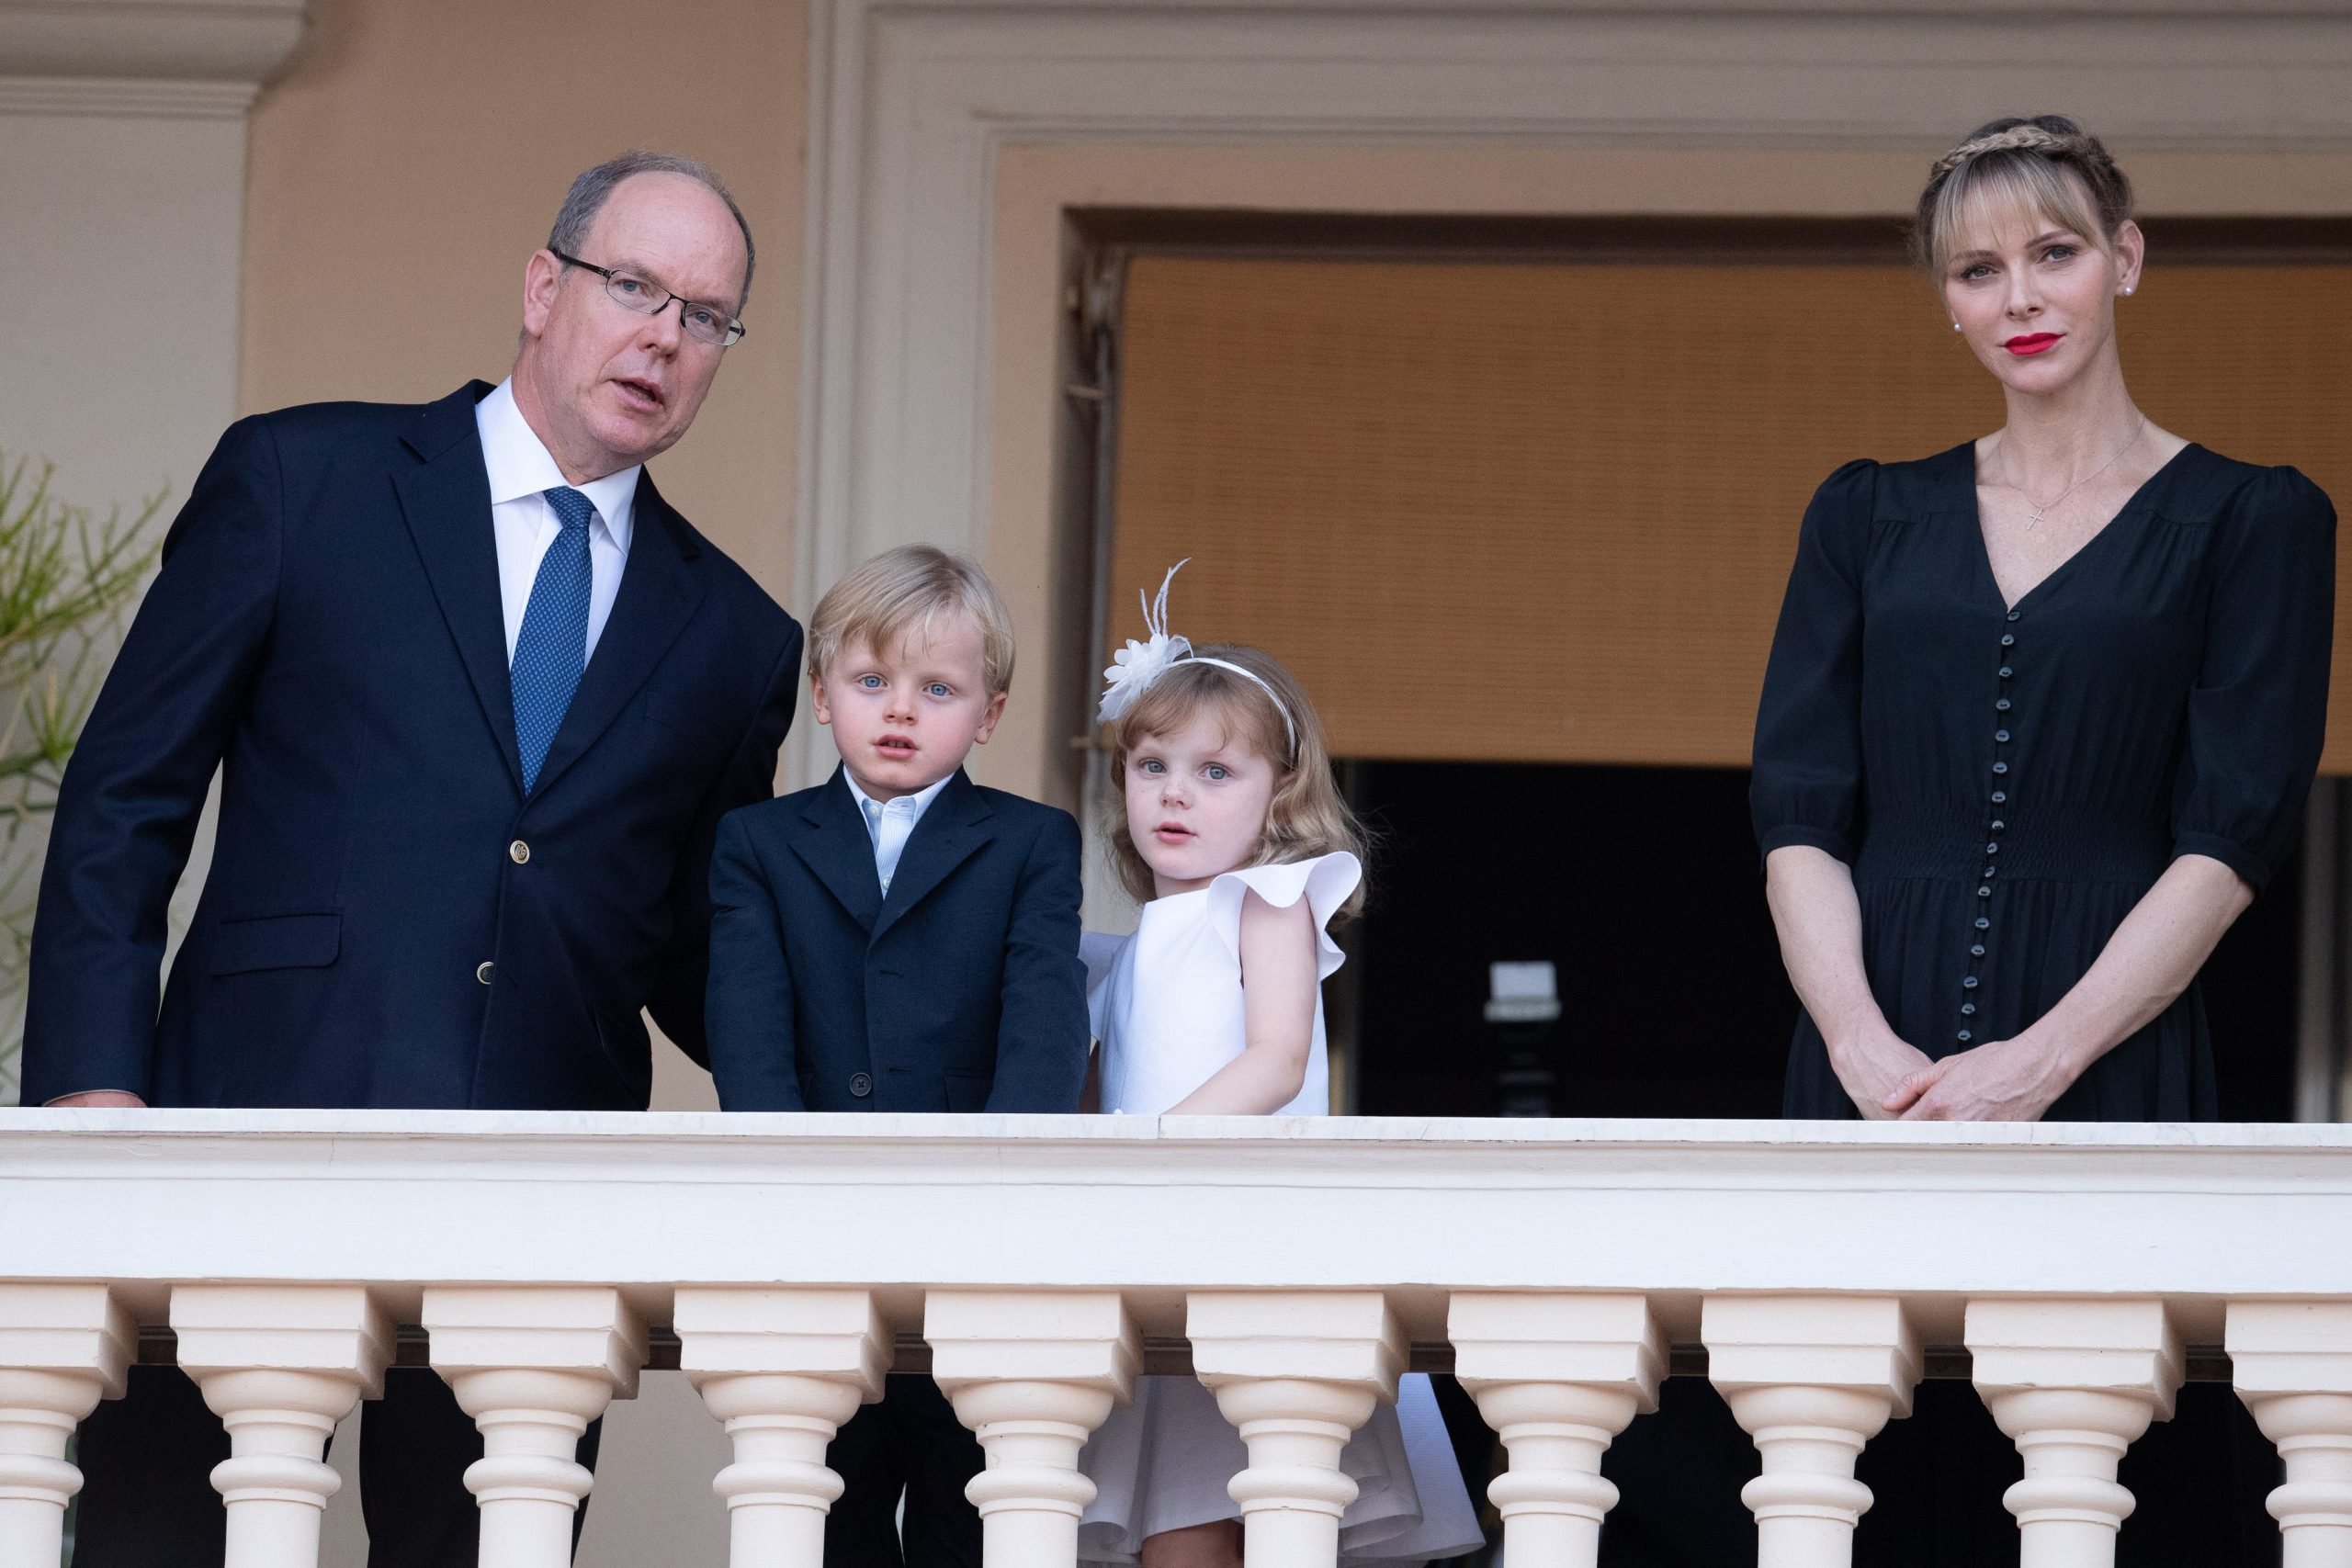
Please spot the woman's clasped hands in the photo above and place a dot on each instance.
(2016, 1079)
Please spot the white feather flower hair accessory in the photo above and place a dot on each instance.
(1135, 667)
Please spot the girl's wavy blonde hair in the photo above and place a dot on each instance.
(1307, 816)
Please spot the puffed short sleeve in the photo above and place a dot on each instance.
(2258, 711)
(1806, 786)
(1326, 883)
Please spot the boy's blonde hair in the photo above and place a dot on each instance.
(908, 590)
(1307, 816)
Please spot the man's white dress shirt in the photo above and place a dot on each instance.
(888, 822)
(520, 471)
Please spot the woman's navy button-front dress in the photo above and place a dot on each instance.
(2006, 780)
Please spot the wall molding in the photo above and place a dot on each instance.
(225, 40)
(141, 59)
(125, 97)
(910, 103)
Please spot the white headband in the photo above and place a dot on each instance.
(1140, 664)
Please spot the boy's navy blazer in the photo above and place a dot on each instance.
(390, 921)
(961, 990)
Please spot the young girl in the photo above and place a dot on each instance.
(1235, 838)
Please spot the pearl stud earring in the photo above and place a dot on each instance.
(1955, 326)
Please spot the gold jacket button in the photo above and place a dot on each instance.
(519, 853)
(482, 973)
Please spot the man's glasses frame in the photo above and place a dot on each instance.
(700, 320)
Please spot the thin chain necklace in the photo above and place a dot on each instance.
(2137, 431)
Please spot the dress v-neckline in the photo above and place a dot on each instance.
(1966, 451)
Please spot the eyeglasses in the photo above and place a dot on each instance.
(703, 321)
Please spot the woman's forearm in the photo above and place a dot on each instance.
(1819, 920)
(2146, 965)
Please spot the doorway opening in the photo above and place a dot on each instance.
(1516, 501)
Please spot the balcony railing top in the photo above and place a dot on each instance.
(1157, 1207)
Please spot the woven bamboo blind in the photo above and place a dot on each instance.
(1545, 511)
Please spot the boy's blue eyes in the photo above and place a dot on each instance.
(937, 689)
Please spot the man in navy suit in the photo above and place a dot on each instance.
(480, 697)
(900, 939)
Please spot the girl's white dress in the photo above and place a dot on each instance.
(1167, 1008)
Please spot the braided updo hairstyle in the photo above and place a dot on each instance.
(2046, 164)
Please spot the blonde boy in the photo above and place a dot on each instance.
(900, 939)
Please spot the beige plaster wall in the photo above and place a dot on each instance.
(413, 155)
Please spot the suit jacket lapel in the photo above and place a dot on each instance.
(948, 835)
(833, 844)
(658, 592)
(445, 498)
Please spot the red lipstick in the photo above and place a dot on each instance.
(2032, 342)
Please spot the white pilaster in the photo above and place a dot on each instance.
(2073, 1380)
(783, 1368)
(533, 1365)
(1296, 1372)
(2293, 1369)
(62, 1349)
(1032, 1373)
(1812, 1379)
(1557, 1375)
(280, 1365)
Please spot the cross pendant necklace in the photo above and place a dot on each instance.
(2034, 516)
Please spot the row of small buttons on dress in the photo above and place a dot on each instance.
(2002, 705)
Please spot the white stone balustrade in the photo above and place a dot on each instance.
(1557, 1376)
(783, 1368)
(800, 1258)
(1296, 1372)
(2072, 1382)
(1812, 1379)
(533, 1365)
(1032, 1373)
(63, 1346)
(2292, 1364)
(280, 1365)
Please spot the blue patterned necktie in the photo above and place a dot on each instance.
(552, 649)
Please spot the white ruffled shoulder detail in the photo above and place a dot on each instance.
(1326, 883)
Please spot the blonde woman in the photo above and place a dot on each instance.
(2043, 711)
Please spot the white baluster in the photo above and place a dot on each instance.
(280, 1365)
(1297, 1372)
(1557, 1374)
(2073, 1380)
(62, 1349)
(1032, 1373)
(783, 1368)
(2293, 1369)
(533, 1365)
(1812, 1379)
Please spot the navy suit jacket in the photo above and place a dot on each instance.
(388, 921)
(961, 991)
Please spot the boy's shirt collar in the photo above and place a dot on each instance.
(889, 823)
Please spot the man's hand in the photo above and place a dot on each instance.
(99, 1099)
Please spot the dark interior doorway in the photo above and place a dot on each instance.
(1641, 885)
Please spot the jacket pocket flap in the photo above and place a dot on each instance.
(277, 942)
